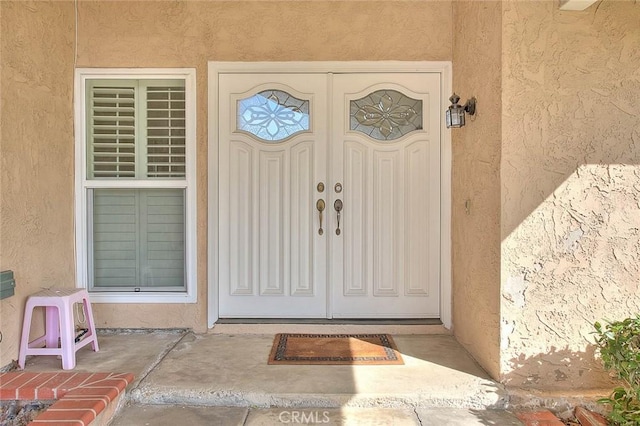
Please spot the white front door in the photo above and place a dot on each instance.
(385, 146)
(365, 144)
(272, 149)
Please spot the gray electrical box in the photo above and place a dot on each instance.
(7, 284)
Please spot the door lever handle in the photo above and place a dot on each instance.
(338, 206)
(320, 206)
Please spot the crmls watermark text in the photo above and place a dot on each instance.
(304, 417)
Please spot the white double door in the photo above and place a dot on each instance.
(290, 144)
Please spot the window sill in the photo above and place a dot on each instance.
(137, 298)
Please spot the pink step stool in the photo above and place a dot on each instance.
(58, 304)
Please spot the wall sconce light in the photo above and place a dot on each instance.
(454, 115)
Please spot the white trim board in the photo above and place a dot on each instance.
(217, 68)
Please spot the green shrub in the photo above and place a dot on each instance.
(619, 346)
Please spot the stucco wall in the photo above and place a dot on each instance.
(476, 181)
(570, 186)
(37, 106)
(36, 155)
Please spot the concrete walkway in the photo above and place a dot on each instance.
(193, 415)
(222, 379)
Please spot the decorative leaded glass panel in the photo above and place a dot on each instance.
(386, 115)
(273, 115)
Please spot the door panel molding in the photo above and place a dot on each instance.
(415, 207)
(301, 241)
(241, 270)
(355, 255)
(272, 238)
(386, 235)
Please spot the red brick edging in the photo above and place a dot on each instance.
(81, 397)
(539, 418)
(589, 418)
(547, 418)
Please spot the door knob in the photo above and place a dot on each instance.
(338, 206)
(320, 206)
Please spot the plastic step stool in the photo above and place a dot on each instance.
(58, 304)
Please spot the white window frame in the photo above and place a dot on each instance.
(83, 184)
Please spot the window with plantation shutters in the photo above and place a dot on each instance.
(137, 190)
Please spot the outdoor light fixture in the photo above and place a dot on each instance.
(454, 115)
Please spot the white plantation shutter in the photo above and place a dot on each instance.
(165, 131)
(136, 129)
(138, 239)
(163, 237)
(111, 127)
(115, 238)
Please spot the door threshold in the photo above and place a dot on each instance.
(324, 326)
(336, 321)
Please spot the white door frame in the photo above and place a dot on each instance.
(216, 68)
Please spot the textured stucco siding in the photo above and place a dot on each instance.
(36, 156)
(570, 178)
(189, 33)
(476, 182)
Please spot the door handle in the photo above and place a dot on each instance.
(338, 206)
(320, 206)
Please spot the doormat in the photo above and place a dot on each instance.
(334, 349)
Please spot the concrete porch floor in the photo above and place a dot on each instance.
(189, 378)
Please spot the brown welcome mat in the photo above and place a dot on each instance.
(334, 349)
